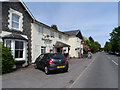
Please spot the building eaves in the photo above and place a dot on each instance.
(46, 26)
(23, 4)
(27, 9)
(72, 32)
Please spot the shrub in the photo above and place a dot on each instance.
(0, 58)
(7, 60)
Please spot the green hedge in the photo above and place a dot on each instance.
(0, 58)
(7, 60)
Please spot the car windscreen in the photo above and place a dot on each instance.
(57, 56)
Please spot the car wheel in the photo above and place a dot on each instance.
(46, 70)
(35, 66)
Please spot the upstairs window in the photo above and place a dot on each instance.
(60, 36)
(15, 21)
(52, 33)
(40, 29)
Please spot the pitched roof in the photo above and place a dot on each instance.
(27, 9)
(14, 36)
(73, 32)
(23, 4)
(61, 44)
(76, 33)
(46, 26)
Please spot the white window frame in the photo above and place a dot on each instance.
(52, 33)
(60, 36)
(13, 48)
(6, 43)
(13, 21)
(44, 49)
(40, 29)
(11, 12)
(20, 49)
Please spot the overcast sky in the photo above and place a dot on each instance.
(96, 19)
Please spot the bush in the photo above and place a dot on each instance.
(7, 60)
(0, 58)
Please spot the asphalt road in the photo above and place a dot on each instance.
(101, 73)
(98, 72)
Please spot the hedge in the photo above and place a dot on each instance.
(7, 60)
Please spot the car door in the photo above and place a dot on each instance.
(43, 61)
(39, 64)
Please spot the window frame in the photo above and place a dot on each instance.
(44, 49)
(6, 43)
(52, 33)
(13, 21)
(19, 49)
(60, 36)
(13, 48)
(11, 12)
(40, 29)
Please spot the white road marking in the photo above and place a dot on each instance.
(115, 62)
(82, 73)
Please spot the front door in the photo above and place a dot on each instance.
(59, 50)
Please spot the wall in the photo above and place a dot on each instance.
(74, 42)
(26, 22)
(37, 41)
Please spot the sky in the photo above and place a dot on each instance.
(96, 19)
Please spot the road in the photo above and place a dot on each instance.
(102, 73)
(98, 72)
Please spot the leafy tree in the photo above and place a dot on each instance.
(91, 39)
(87, 41)
(115, 39)
(87, 45)
(108, 46)
(94, 45)
(54, 27)
(90, 43)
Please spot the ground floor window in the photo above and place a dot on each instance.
(8, 43)
(43, 49)
(18, 48)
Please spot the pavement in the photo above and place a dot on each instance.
(98, 72)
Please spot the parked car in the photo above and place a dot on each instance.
(117, 53)
(111, 52)
(52, 61)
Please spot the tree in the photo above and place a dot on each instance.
(87, 45)
(108, 46)
(87, 41)
(90, 43)
(91, 39)
(54, 27)
(115, 39)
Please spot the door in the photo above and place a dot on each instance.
(39, 63)
(43, 61)
(59, 50)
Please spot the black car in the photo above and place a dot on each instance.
(111, 52)
(52, 61)
(117, 53)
